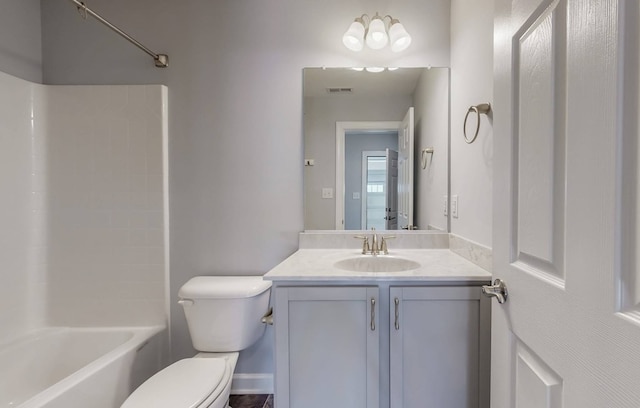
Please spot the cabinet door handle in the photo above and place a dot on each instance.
(397, 303)
(373, 314)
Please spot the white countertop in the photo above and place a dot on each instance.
(436, 265)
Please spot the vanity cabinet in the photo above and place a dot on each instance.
(380, 346)
(439, 347)
(327, 347)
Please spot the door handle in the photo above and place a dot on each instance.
(497, 290)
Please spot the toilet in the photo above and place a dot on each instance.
(224, 317)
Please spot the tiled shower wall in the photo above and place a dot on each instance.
(83, 173)
(21, 298)
(104, 180)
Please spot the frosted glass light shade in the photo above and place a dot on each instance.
(399, 37)
(377, 36)
(353, 39)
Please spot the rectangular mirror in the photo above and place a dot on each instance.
(376, 148)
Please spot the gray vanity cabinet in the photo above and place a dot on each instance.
(439, 347)
(327, 347)
(335, 346)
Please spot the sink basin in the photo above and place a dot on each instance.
(380, 263)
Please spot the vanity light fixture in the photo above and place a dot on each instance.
(374, 32)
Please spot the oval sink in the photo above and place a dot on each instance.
(376, 264)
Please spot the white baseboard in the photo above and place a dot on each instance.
(244, 384)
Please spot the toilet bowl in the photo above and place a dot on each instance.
(224, 316)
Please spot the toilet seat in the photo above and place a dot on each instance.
(188, 383)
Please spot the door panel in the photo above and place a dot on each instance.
(540, 140)
(328, 336)
(439, 344)
(391, 191)
(629, 284)
(405, 170)
(537, 386)
(564, 204)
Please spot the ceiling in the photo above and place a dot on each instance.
(401, 81)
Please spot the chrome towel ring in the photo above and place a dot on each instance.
(483, 108)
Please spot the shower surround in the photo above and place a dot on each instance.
(83, 207)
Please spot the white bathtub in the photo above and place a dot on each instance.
(78, 367)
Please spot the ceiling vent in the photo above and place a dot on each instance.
(339, 90)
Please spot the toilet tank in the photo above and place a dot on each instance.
(224, 312)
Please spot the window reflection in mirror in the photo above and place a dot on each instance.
(373, 200)
(334, 96)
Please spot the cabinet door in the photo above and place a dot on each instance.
(440, 345)
(327, 347)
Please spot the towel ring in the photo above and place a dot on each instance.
(483, 108)
(423, 158)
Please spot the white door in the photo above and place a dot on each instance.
(391, 191)
(405, 171)
(565, 203)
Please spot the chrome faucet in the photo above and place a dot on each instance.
(376, 247)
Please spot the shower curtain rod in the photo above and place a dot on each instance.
(161, 60)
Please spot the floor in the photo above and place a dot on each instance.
(251, 401)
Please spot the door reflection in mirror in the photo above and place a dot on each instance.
(364, 199)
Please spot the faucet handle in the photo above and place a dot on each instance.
(365, 243)
(383, 244)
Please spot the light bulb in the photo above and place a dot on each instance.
(377, 36)
(353, 38)
(400, 38)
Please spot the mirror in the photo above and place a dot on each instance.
(354, 122)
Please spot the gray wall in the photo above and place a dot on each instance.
(20, 39)
(472, 84)
(431, 102)
(235, 112)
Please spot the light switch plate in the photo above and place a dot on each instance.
(327, 192)
(446, 206)
(454, 206)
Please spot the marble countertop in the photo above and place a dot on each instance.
(436, 265)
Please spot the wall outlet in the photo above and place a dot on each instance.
(454, 206)
(446, 206)
(327, 192)
(309, 162)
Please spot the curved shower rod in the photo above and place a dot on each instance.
(161, 60)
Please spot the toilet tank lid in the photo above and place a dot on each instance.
(223, 287)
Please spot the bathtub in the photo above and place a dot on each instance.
(78, 367)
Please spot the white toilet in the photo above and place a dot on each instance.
(224, 316)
